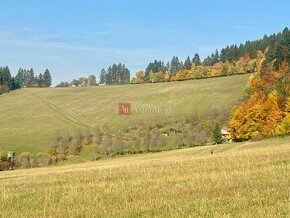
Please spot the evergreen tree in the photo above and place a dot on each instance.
(47, 78)
(155, 67)
(175, 65)
(5, 78)
(40, 80)
(217, 134)
(30, 78)
(216, 57)
(103, 76)
(19, 78)
(196, 59)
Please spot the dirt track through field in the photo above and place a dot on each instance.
(63, 114)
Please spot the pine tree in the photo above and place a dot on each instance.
(5, 78)
(19, 78)
(196, 59)
(40, 80)
(30, 78)
(187, 63)
(47, 78)
(217, 134)
(175, 65)
(103, 76)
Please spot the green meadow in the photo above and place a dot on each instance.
(32, 117)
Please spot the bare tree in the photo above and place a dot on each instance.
(97, 140)
(106, 143)
(76, 144)
(119, 142)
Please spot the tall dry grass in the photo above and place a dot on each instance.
(244, 180)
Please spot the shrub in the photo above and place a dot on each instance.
(2, 156)
(75, 146)
(61, 151)
(87, 137)
(43, 159)
(25, 160)
(4, 165)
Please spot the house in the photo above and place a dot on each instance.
(225, 134)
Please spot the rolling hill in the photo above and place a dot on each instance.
(31, 117)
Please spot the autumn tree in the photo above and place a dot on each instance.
(273, 114)
(284, 127)
(139, 77)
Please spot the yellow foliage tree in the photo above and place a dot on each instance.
(284, 126)
(247, 119)
(273, 114)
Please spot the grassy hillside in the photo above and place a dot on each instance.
(239, 180)
(30, 118)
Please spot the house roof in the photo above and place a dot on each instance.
(224, 132)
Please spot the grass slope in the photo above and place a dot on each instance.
(240, 180)
(30, 118)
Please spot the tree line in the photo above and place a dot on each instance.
(274, 42)
(7, 82)
(23, 78)
(27, 78)
(115, 74)
(232, 59)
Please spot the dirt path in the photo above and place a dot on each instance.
(63, 114)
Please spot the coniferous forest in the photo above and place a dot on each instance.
(24, 78)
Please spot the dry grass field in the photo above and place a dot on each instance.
(248, 179)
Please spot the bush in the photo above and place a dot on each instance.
(4, 165)
(43, 159)
(87, 137)
(26, 160)
(75, 145)
(2, 156)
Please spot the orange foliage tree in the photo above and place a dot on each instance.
(139, 77)
(284, 126)
(265, 113)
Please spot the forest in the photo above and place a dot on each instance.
(24, 78)
(231, 60)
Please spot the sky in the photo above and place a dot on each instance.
(74, 38)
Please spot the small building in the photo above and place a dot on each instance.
(165, 134)
(225, 134)
(10, 154)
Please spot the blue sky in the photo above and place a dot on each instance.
(78, 38)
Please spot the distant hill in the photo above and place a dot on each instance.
(32, 117)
